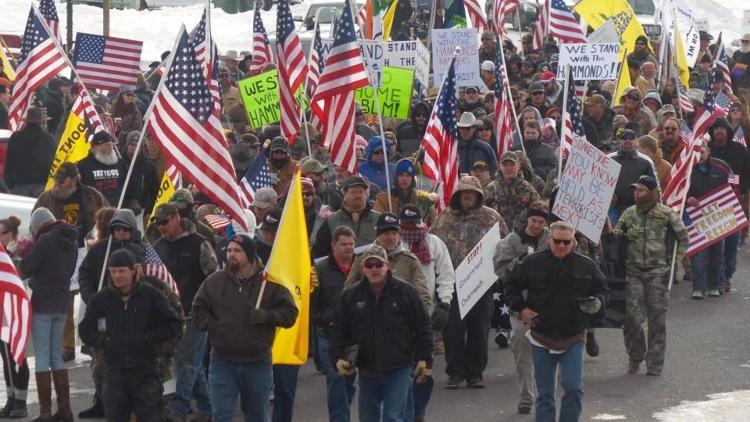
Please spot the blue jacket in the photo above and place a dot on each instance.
(373, 171)
(473, 151)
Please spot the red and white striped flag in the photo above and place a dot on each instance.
(154, 267)
(207, 54)
(440, 141)
(83, 107)
(261, 46)
(503, 104)
(721, 62)
(333, 101)
(41, 60)
(723, 198)
(107, 62)
(217, 221)
(542, 28)
(501, 9)
(685, 104)
(15, 309)
(49, 11)
(563, 25)
(292, 70)
(678, 182)
(476, 14)
(185, 123)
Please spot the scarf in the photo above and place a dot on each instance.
(416, 238)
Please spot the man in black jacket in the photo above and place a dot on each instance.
(633, 165)
(128, 321)
(562, 288)
(29, 156)
(384, 317)
(332, 272)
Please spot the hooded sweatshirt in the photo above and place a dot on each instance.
(372, 171)
(409, 133)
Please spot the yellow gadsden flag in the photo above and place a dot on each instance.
(596, 12)
(72, 147)
(680, 58)
(166, 189)
(623, 82)
(289, 265)
(7, 68)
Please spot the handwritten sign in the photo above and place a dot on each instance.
(373, 54)
(394, 94)
(718, 215)
(476, 274)
(589, 61)
(409, 55)
(444, 43)
(260, 94)
(586, 189)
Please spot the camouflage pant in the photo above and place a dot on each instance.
(646, 298)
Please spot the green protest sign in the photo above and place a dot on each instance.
(260, 95)
(394, 93)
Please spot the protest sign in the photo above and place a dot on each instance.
(718, 215)
(444, 43)
(394, 94)
(260, 94)
(72, 147)
(586, 188)
(589, 61)
(373, 54)
(476, 274)
(409, 55)
(702, 24)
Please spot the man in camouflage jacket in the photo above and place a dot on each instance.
(461, 227)
(648, 226)
(510, 194)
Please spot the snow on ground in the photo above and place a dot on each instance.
(724, 407)
(608, 417)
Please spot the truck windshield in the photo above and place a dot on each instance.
(642, 7)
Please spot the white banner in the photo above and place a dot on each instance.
(586, 189)
(444, 43)
(409, 55)
(589, 61)
(476, 274)
(687, 26)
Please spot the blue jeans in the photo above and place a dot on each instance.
(252, 381)
(729, 264)
(191, 380)
(284, 390)
(571, 374)
(707, 267)
(384, 395)
(340, 390)
(47, 334)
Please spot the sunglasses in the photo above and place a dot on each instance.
(633, 97)
(376, 264)
(308, 193)
(565, 242)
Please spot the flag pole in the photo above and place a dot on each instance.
(688, 176)
(380, 122)
(563, 129)
(506, 88)
(307, 81)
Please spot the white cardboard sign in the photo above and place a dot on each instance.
(409, 55)
(372, 53)
(444, 43)
(476, 274)
(589, 61)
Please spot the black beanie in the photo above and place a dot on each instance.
(246, 243)
(121, 258)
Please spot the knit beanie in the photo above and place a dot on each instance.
(246, 243)
(40, 217)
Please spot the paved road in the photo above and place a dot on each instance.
(707, 354)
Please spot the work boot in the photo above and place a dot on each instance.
(633, 367)
(5, 411)
(68, 355)
(44, 392)
(454, 382)
(592, 347)
(62, 391)
(19, 410)
(95, 412)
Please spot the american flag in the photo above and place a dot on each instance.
(15, 309)
(722, 64)
(154, 267)
(217, 221)
(198, 38)
(257, 176)
(333, 101)
(542, 28)
(292, 70)
(503, 104)
(714, 106)
(723, 198)
(174, 176)
(678, 182)
(261, 46)
(83, 107)
(362, 16)
(501, 9)
(313, 74)
(440, 141)
(572, 119)
(185, 123)
(685, 104)
(207, 55)
(476, 14)
(49, 11)
(563, 25)
(41, 59)
(739, 136)
(107, 62)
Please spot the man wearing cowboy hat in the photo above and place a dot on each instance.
(29, 157)
(232, 61)
(470, 148)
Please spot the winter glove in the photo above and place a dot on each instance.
(440, 316)
(590, 307)
(421, 372)
(258, 316)
(344, 368)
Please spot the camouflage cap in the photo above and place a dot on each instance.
(375, 252)
(66, 169)
(508, 156)
(312, 166)
(165, 211)
(182, 198)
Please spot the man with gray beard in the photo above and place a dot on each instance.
(104, 170)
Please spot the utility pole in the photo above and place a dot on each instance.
(105, 10)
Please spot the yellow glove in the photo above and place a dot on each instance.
(422, 372)
(344, 368)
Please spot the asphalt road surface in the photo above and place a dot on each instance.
(706, 375)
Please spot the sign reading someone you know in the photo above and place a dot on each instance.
(594, 61)
(394, 94)
(586, 189)
(476, 274)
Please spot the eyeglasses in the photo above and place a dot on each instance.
(670, 129)
(633, 97)
(162, 222)
(565, 242)
(308, 193)
(376, 264)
